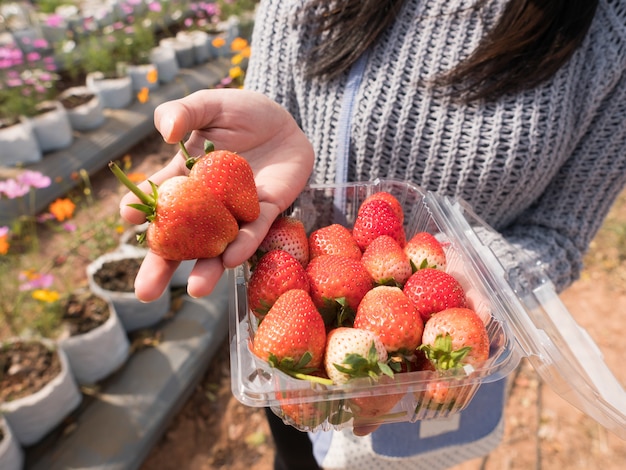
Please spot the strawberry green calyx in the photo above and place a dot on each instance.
(149, 201)
(189, 160)
(441, 354)
(355, 365)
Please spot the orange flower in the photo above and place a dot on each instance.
(143, 95)
(136, 177)
(152, 76)
(218, 42)
(62, 209)
(238, 44)
(4, 244)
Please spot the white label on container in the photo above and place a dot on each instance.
(434, 427)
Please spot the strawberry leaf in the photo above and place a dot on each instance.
(441, 354)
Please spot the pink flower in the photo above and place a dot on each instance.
(34, 179)
(54, 20)
(13, 189)
(4, 231)
(34, 280)
(40, 43)
(154, 6)
(33, 56)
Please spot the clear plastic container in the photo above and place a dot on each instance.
(522, 321)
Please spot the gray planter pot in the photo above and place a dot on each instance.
(115, 93)
(11, 453)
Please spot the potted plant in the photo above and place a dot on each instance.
(112, 276)
(37, 388)
(84, 108)
(11, 453)
(93, 336)
(27, 94)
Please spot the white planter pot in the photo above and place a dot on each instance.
(201, 41)
(87, 116)
(33, 416)
(141, 75)
(11, 453)
(165, 60)
(53, 129)
(19, 144)
(133, 313)
(98, 353)
(180, 276)
(183, 49)
(115, 93)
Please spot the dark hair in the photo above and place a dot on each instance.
(528, 44)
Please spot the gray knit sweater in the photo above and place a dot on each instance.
(542, 167)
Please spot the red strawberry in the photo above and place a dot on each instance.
(425, 251)
(187, 221)
(275, 273)
(288, 234)
(307, 416)
(353, 353)
(337, 285)
(375, 218)
(452, 339)
(432, 290)
(455, 337)
(292, 336)
(373, 406)
(389, 199)
(333, 239)
(386, 261)
(230, 178)
(388, 312)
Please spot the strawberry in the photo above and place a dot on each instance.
(386, 261)
(452, 339)
(432, 290)
(353, 353)
(388, 312)
(389, 199)
(288, 234)
(333, 239)
(230, 178)
(196, 216)
(425, 251)
(292, 335)
(187, 221)
(275, 273)
(455, 337)
(374, 218)
(337, 285)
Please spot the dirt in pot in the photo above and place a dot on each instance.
(118, 275)
(84, 311)
(74, 101)
(25, 368)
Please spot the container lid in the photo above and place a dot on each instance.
(560, 350)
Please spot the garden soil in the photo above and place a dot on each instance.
(213, 430)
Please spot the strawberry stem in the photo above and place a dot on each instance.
(189, 160)
(147, 199)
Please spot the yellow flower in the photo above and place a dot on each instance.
(45, 295)
(236, 59)
(218, 42)
(62, 209)
(4, 244)
(119, 229)
(238, 44)
(152, 76)
(235, 72)
(143, 95)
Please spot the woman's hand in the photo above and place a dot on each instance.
(255, 127)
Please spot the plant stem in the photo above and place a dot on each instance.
(143, 197)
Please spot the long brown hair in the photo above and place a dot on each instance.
(529, 43)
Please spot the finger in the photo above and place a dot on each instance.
(153, 277)
(250, 236)
(204, 276)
